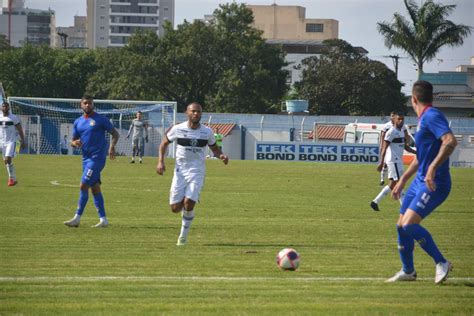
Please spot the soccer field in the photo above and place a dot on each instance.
(249, 210)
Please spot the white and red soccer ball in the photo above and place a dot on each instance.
(288, 259)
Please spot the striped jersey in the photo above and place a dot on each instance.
(8, 132)
(191, 145)
(396, 137)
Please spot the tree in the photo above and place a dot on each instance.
(252, 79)
(426, 33)
(33, 71)
(4, 44)
(342, 81)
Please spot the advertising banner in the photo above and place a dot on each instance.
(317, 152)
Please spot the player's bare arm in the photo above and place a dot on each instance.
(218, 153)
(383, 151)
(22, 136)
(407, 146)
(397, 190)
(448, 144)
(115, 138)
(160, 167)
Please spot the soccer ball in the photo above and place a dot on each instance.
(288, 259)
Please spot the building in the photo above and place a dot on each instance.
(288, 27)
(453, 90)
(72, 36)
(25, 25)
(110, 23)
(290, 23)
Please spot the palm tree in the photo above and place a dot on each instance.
(426, 33)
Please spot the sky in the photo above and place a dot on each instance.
(357, 25)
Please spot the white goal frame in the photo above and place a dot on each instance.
(36, 128)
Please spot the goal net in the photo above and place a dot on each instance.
(48, 121)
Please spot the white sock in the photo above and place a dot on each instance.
(77, 216)
(386, 190)
(186, 221)
(103, 219)
(11, 171)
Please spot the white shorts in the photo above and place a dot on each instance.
(395, 170)
(8, 149)
(185, 184)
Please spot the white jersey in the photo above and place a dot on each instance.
(394, 152)
(191, 145)
(8, 132)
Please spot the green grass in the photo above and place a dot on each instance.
(249, 211)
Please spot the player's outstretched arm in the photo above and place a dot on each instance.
(218, 153)
(160, 167)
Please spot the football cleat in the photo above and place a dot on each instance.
(103, 223)
(133, 161)
(11, 182)
(374, 206)
(140, 161)
(382, 183)
(73, 222)
(181, 241)
(402, 276)
(442, 271)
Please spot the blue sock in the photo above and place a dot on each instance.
(81, 204)
(406, 244)
(99, 204)
(424, 239)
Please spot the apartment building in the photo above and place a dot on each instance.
(72, 36)
(282, 22)
(24, 25)
(110, 23)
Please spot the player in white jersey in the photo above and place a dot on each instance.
(395, 142)
(190, 168)
(10, 129)
(139, 131)
(385, 128)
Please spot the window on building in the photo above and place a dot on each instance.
(102, 17)
(314, 27)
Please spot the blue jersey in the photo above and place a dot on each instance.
(431, 126)
(91, 131)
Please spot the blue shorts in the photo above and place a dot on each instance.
(422, 200)
(91, 171)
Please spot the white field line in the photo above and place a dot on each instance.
(57, 183)
(207, 278)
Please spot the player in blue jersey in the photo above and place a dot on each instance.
(434, 143)
(89, 134)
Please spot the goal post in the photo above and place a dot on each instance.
(47, 120)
